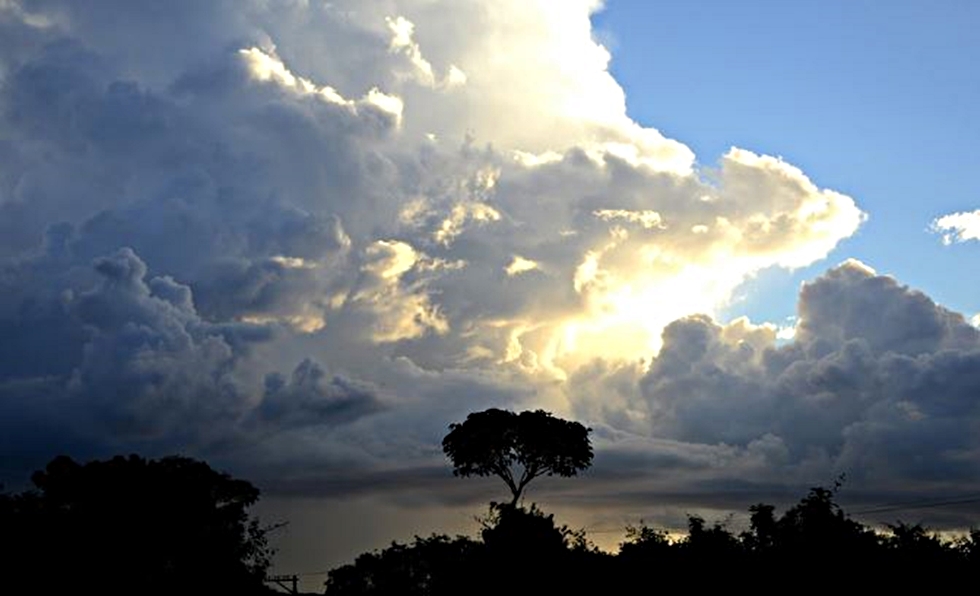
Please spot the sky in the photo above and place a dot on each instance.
(874, 100)
(298, 239)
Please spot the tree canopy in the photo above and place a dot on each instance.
(131, 525)
(517, 447)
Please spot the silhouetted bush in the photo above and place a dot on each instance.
(522, 551)
(813, 546)
(435, 565)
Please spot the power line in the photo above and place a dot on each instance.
(883, 508)
(916, 505)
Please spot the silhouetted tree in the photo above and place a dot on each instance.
(131, 525)
(968, 548)
(913, 545)
(817, 530)
(714, 541)
(517, 447)
(429, 566)
(762, 536)
(522, 551)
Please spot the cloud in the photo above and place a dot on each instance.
(879, 383)
(138, 364)
(520, 265)
(958, 227)
(304, 237)
(402, 309)
(253, 155)
(150, 364)
(402, 43)
(309, 399)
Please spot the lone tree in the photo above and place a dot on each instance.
(517, 447)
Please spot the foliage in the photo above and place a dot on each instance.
(129, 524)
(517, 447)
(429, 566)
(523, 532)
(522, 551)
(812, 546)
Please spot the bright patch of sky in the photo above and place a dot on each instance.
(878, 100)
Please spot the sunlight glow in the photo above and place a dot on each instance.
(267, 67)
(520, 265)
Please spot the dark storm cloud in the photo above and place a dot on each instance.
(119, 351)
(849, 303)
(142, 370)
(132, 362)
(308, 398)
(150, 364)
(880, 383)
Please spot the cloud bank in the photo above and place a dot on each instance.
(301, 238)
(878, 383)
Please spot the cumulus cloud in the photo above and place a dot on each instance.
(231, 161)
(150, 363)
(310, 399)
(307, 236)
(958, 227)
(142, 367)
(878, 383)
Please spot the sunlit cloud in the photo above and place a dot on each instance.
(266, 67)
(512, 220)
(402, 31)
(520, 265)
(958, 227)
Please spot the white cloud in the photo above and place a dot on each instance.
(520, 265)
(647, 218)
(460, 215)
(266, 67)
(38, 20)
(402, 308)
(958, 227)
(402, 31)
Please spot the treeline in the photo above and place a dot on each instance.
(175, 526)
(812, 546)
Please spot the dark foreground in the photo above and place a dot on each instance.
(175, 526)
(813, 547)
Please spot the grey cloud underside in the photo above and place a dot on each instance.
(880, 384)
(308, 288)
(111, 191)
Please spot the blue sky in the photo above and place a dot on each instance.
(875, 99)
